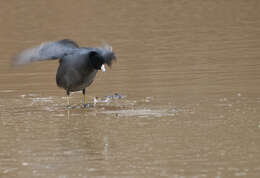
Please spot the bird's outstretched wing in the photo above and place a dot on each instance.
(46, 51)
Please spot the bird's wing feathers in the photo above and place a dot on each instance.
(46, 51)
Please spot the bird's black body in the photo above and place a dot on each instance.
(75, 72)
(78, 65)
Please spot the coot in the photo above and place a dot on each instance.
(78, 65)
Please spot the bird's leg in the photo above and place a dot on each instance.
(84, 98)
(68, 99)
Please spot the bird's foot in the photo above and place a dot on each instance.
(86, 105)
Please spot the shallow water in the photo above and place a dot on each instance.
(189, 74)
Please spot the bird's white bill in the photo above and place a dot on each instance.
(103, 68)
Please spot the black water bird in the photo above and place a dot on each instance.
(78, 65)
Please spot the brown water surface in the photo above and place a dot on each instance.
(189, 72)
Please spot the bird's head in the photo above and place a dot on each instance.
(101, 56)
(97, 61)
